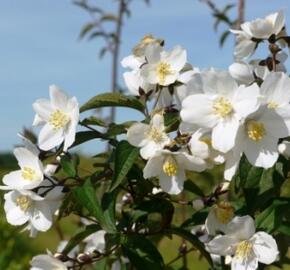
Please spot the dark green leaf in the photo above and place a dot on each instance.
(92, 120)
(87, 197)
(113, 100)
(125, 156)
(142, 253)
(68, 166)
(86, 28)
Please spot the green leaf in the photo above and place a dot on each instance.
(113, 100)
(92, 120)
(125, 156)
(79, 237)
(193, 240)
(117, 129)
(142, 253)
(86, 28)
(271, 218)
(84, 136)
(68, 166)
(108, 207)
(87, 197)
(171, 121)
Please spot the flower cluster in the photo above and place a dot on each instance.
(194, 120)
(35, 195)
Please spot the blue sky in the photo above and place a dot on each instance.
(40, 47)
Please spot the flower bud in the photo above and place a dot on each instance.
(83, 258)
(224, 187)
(60, 256)
(197, 204)
(284, 149)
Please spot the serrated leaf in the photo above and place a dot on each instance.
(113, 100)
(125, 156)
(193, 240)
(142, 253)
(79, 237)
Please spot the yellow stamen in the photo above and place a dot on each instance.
(273, 105)
(163, 70)
(58, 119)
(24, 202)
(224, 212)
(170, 166)
(156, 135)
(222, 107)
(28, 173)
(256, 131)
(244, 249)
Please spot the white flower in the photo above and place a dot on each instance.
(26, 206)
(258, 136)
(46, 262)
(284, 148)
(247, 247)
(163, 67)
(221, 107)
(245, 46)
(96, 241)
(60, 117)
(200, 145)
(265, 27)
(150, 137)
(30, 174)
(219, 216)
(258, 139)
(170, 168)
(244, 72)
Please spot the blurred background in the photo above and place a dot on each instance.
(46, 42)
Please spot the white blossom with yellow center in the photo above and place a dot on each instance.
(246, 246)
(219, 217)
(163, 67)
(170, 168)
(220, 105)
(60, 116)
(30, 174)
(149, 137)
(26, 207)
(258, 139)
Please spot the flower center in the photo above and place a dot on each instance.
(170, 167)
(272, 105)
(224, 212)
(28, 173)
(244, 249)
(156, 135)
(222, 107)
(256, 131)
(58, 119)
(163, 70)
(24, 202)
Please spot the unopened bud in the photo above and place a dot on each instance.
(60, 256)
(284, 149)
(197, 204)
(83, 258)
(224, 187)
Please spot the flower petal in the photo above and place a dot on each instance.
(50, 137)
(242, 228)
(265, 247)
(174, 184)
(222, 245)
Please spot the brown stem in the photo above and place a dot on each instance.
(241, 13)
(115, 61)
